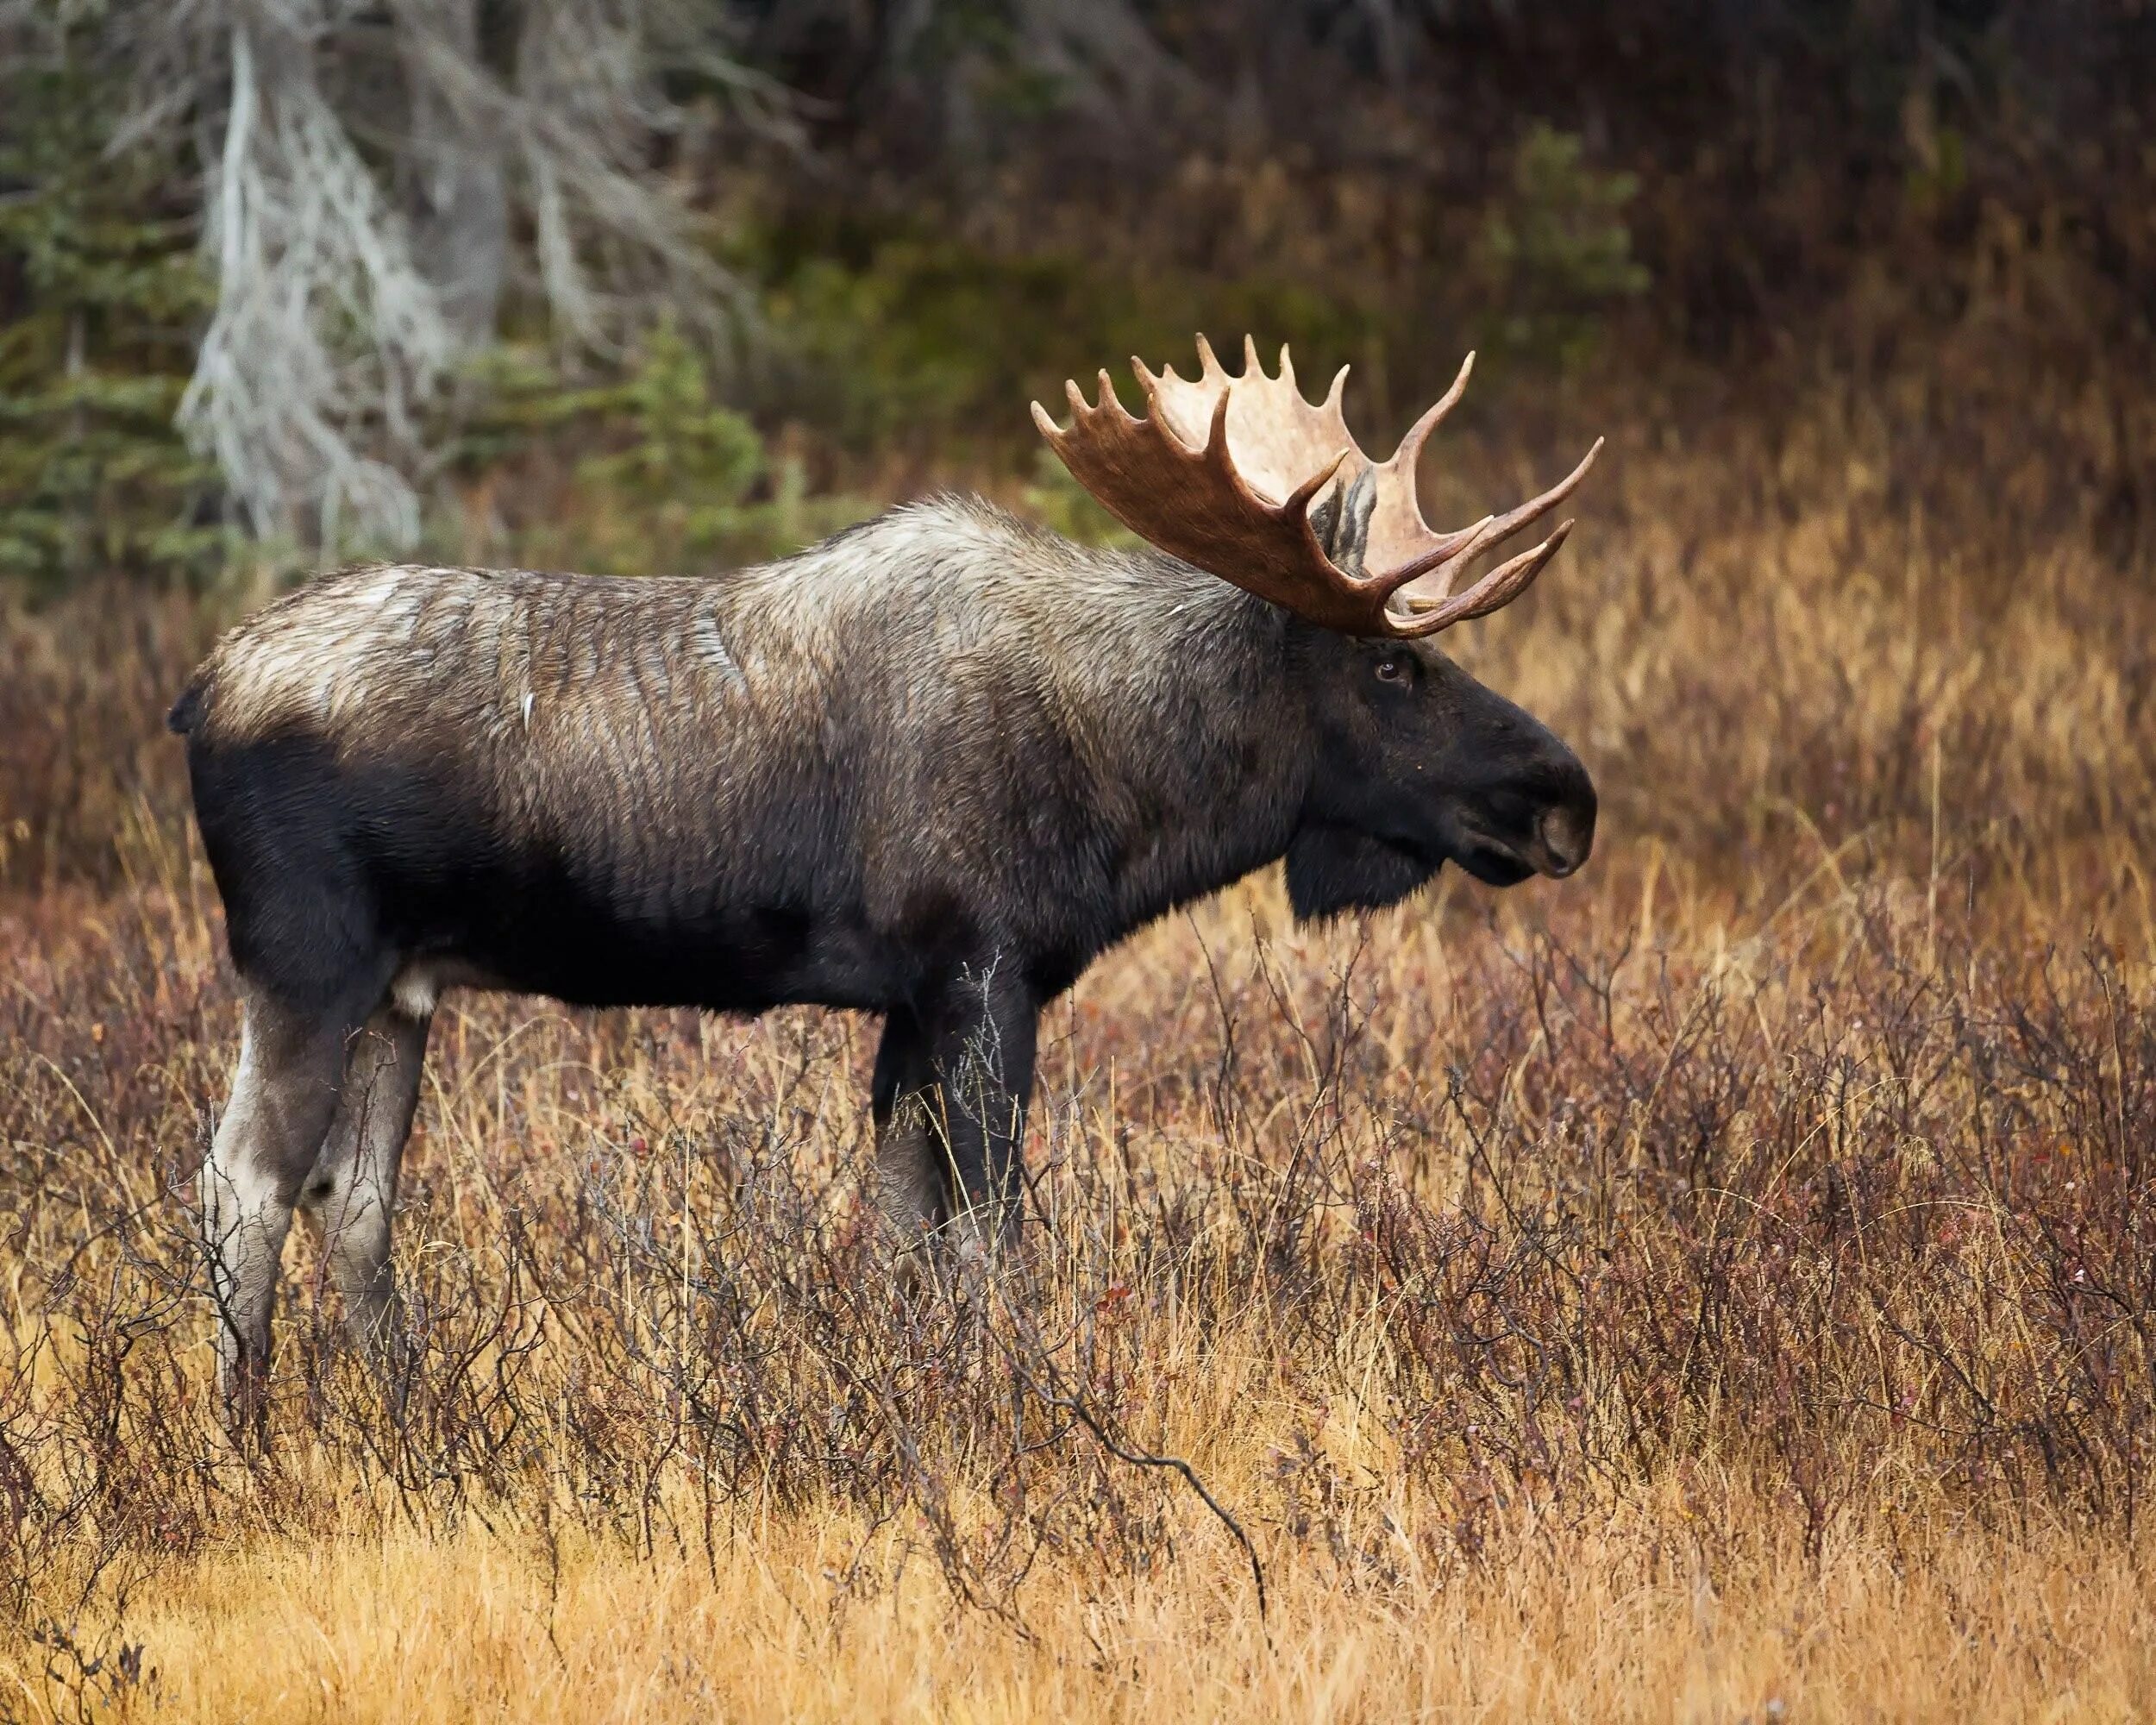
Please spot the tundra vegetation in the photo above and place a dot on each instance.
(1719, 1285)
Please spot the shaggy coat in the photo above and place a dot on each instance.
(928, 768)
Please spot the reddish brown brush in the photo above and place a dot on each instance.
(1722, 1286)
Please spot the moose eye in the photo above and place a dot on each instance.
(1397, 668)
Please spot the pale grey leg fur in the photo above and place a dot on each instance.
(283, 1096)
(352, 1191)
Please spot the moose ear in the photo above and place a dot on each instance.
(1331, 870)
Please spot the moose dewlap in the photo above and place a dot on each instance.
(930, 769)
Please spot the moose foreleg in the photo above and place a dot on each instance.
(981, 1038)
(948, 1098)
(912, 1171)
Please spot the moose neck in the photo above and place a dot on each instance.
(1198, 725)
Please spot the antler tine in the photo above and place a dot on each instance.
(1080, 409)
(1299, 499)
(1151, 383)
(1410, 449)
(1500, 586)
(1535, 508)
(1440, 565)
(1215, 448)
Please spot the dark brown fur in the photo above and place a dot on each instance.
(930, 769)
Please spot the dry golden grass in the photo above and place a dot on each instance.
(1627, 1623)
(1719, 1287)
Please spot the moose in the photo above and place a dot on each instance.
(930, 769)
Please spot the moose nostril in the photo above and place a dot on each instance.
(1567, 837)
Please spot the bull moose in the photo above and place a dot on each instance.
(930, 767)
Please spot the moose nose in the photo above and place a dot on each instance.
(1567, 831)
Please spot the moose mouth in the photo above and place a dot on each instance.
(1490, 860)
(1506, 861)
(1493, 863)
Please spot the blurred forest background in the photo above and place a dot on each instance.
(664, 283)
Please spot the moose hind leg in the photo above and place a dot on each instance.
(352, 1191)
(283, 1095)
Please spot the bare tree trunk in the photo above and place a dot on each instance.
(363, 230)
(302, 421)
(456, 183)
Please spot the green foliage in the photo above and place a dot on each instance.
(665, 476)
(928, 343)
(1557, 254)
(93, 358)
(688, 461)
(1060, 503)
(911, 340)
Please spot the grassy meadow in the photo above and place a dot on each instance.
(1721, 1286)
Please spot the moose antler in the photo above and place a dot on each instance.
(1222, 470)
